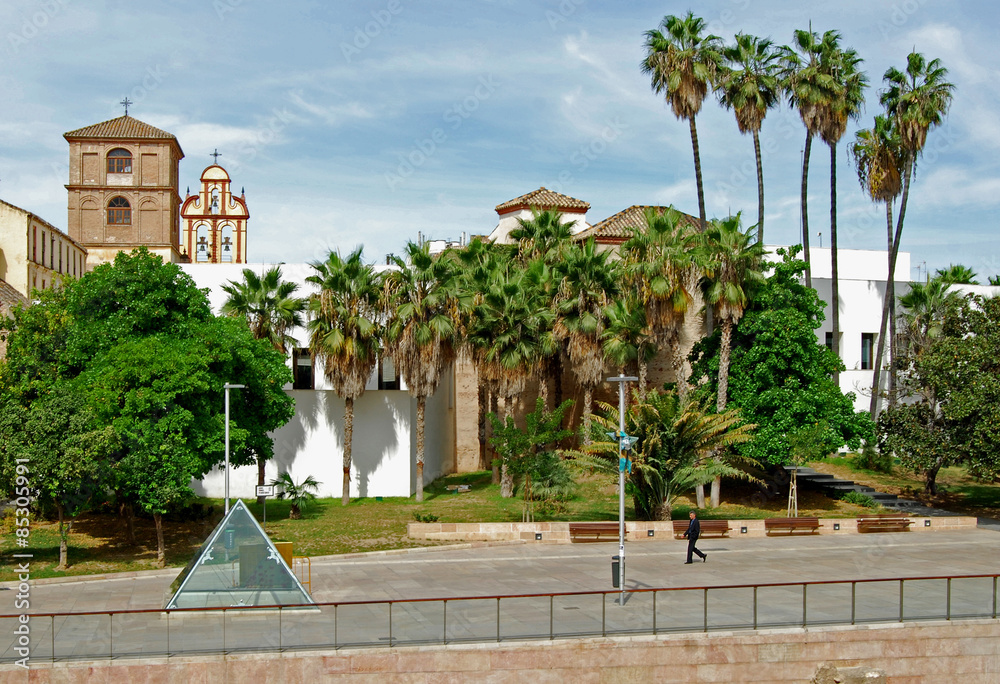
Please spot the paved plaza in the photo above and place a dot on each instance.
(528, 568)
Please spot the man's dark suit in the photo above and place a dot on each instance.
(692, 534)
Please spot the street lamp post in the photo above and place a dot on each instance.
(228, 387)
(621, 380)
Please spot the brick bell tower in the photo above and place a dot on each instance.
(122, 190)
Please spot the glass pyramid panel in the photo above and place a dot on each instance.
(238, 566)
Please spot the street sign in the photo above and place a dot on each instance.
(265, 490)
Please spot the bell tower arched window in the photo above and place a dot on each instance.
(119, 212)
(119, 161)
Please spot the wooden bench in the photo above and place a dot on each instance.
(709, 528)
(884, 523)
(791, 525)
(592, 531)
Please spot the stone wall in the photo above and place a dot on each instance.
(908, 653)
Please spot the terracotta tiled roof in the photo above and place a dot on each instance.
(125, 127)
(543, 198)
(617, 227)
(9, 297)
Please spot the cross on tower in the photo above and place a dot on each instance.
(126, 102)
(215, 155)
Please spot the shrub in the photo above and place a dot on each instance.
(871, 458)
(859, 499)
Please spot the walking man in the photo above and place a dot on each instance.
(692, 534)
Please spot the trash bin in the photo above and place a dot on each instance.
(615, 571)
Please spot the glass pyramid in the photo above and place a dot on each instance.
(238, 566)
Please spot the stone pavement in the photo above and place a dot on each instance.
(505, 569)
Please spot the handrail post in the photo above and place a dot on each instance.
(854, 602)
(654, 611)
(705, 608)
(805, 586)
(498, 619)
(900, 600)
(390, 623)
(224, 616)
(168, 633)
(336, 625)
(755, 606)
(444, 622)
(111, 636)
(948, 604)
(53, 634)
(551, 617)
(604, 614)
(994, 597)
(280, 649)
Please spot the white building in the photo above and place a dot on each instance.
(384, 446)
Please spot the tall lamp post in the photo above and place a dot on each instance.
(621, 380)
(228, 387)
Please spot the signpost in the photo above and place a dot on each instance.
(624, 443)
(265, 491)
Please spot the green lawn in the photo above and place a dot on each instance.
(368, 524)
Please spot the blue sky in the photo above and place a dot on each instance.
(367, 122)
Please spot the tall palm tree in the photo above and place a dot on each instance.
(750, 85)
(811, 88)
(588, 281)
(661, 262)
(271, 309)
(850, 83)
(508, 336)
(878, 156)
(268, 304)
(422, 311)
(924, 309)
(683, 65)
(917, 100)
(734, 268)
(345, 333)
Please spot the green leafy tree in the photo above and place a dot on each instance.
(780, 376)
(530, 452)
(676, 440)
(345, 334)
(683, 65)
(65, 451)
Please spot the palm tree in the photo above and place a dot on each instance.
(683, 65)
(734, 261)
(811, 89)
(956, 274)
(662, 266)
(422, 311)
(917, 100)
(345, 333)
(271, 309)
(878, 156)
(509, 338)
(750, 85)
(626, 337)
(587, 283)
(850, 83)
(673, 451)
(299, 495)
(925, 306)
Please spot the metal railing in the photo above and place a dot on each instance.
(335, 625)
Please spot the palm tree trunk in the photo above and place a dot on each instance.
(506, 477)
(642, 377)
(484, 399)
(889, 304)
(345, 497)
(697, 174)
(161, 553)
(805, 208)
(886, 313)
(588, 402)
(421, 407)
(834, 266)
(721, 397)
(493, 464)
(760, 188)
